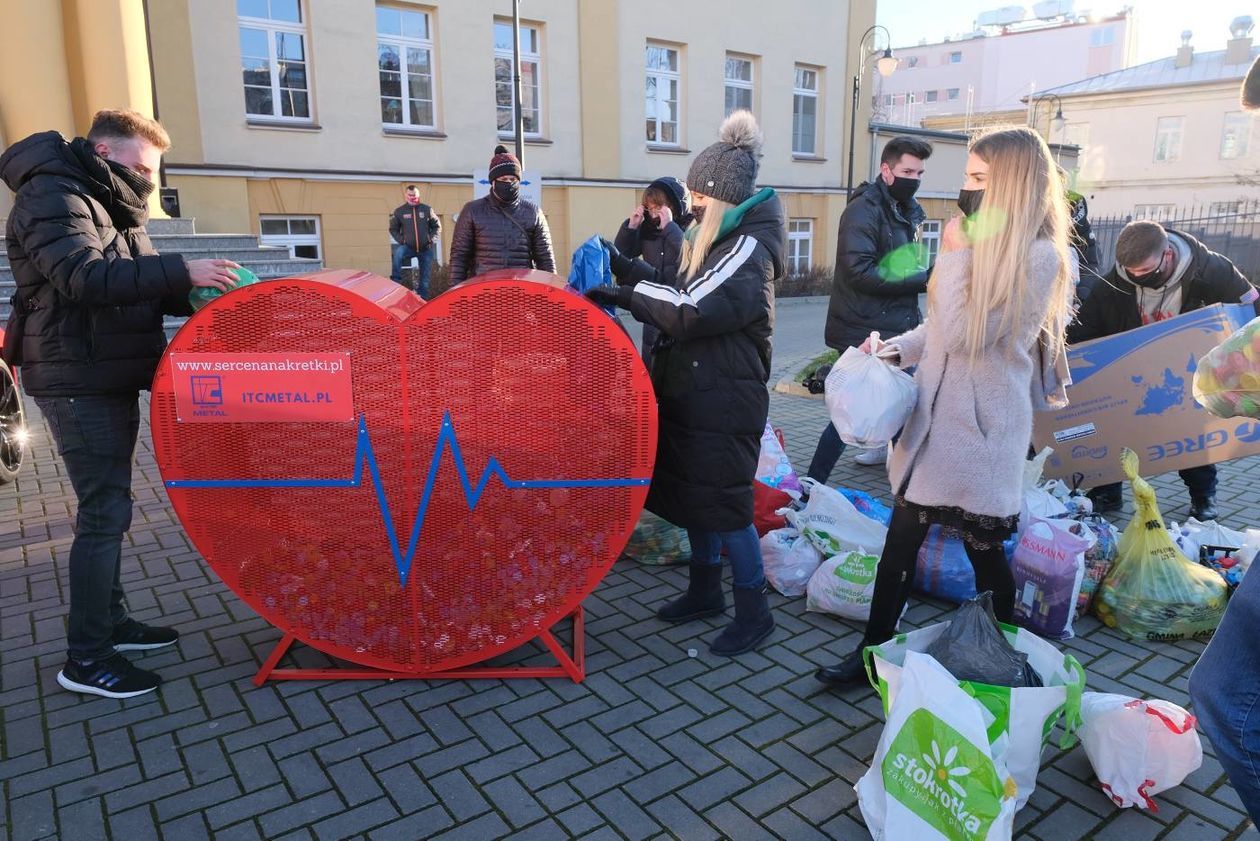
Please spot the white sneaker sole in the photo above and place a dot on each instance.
(140, 646)
(871, 459)
(85, 689)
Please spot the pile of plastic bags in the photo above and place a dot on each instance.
(1227, 379)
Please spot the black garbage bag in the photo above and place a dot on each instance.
(974, 648)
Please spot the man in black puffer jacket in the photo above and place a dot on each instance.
(89, 305)
(878, 276)
(501, 230)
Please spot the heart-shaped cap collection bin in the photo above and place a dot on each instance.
(409, 486)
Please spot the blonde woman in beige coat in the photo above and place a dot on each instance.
(990, 351)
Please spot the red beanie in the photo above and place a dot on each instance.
(504, 163)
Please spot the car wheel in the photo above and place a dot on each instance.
(12, 427)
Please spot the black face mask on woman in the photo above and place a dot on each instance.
(507, 191)
(969, 201)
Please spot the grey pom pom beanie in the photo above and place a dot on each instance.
(727, 170)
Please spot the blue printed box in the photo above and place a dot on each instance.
(1134, 390)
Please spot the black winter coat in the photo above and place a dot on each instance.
(865, 295)
(93, 288)
(662, 249)
(490, 235)
(414, 225)
(1112, 305)
(711, 370)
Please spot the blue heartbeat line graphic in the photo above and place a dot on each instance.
(364, 454)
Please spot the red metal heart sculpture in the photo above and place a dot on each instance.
(490, 471)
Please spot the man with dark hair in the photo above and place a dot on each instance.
(91, 292)
(879, 271)
(413, 227)
(1159, 274)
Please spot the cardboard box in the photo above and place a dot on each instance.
(1134, 390)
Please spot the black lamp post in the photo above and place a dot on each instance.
(885, 65)
(1056, 122)
(518, 112)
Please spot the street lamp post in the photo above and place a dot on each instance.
(885, 65)
(1055, 122)
(518, 111)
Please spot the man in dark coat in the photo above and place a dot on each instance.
(1159, 274)
(501, 230)
(413, 226)
(91, 292)
(879, 274)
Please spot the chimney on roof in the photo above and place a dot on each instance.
(1238, 47)
(1185, 53)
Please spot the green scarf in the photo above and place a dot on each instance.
(732, 217)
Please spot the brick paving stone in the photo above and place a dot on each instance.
(424, 824)
(580, 818)
(458, 795)
(356, 821)
(302, 813)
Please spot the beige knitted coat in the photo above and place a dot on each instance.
(966, 442)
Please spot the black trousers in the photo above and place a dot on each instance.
(895, 576)
(1200, 482)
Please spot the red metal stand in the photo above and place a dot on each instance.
(571, 666)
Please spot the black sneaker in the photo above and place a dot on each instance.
(137, 636)
(1203, 508)
(114, 677)
(1105, 503)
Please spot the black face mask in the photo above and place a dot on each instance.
(648, 225)
(697, 213)
(969, 201)
(1152, 279)
(903, 189)
(507, 191)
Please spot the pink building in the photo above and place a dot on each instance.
(994, 67)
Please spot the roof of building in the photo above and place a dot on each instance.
(1027, 27)
(1205, 68)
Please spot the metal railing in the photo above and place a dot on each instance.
(1232, 230)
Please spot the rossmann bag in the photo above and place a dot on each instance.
(844, 585)
(1153, 592)
(1048, 568)
(936, 774)
(789, 560)
(868, 399)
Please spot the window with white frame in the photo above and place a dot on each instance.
(1104, 37)
(300, 234)
(955, 57)
(739, 83)
(931, 96)
(1236, 135)
(951, 94)
(805, 111)
(1218, 209)
(930, 237)
(274, 63)
(661, 95)
(1168, 138)
(800, 249)
(531, 78)
(1153, 212)
(404, 55)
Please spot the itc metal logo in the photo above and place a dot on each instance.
(207, 391)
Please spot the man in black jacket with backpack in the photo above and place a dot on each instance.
(87, 331)
(413, 227)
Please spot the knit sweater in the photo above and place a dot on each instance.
(967, 439)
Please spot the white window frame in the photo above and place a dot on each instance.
(1170, 130)
(292, 240)
(930, 237)
(1238, 125)
(528, 56)
(1220, 209)
(273, 28)
(800, 246)
(748, 84)
(952, 94)
(403, 44)
(1153, 212)
(955, 57)
(664, 76)
(799, 93)
(931, 96)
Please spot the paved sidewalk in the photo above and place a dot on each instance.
(653, 745)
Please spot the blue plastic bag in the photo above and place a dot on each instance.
(943, 569)
(590, 268)
(868, 505)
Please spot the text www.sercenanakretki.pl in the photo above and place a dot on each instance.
(334, 366)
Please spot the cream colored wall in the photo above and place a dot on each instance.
(219, 205)
(1119, 170)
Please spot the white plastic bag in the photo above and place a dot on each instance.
(843, 586)
(789, 559)
(1048, 568)
(1250, 550)
(774, 468)
(1040, 500)
(935, 776)
(1138, 748)
(868, 399)
(833, 524)
(1212, 533)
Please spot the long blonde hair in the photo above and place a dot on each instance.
(1024, 201)
(696, 248)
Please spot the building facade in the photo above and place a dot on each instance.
(301, 120)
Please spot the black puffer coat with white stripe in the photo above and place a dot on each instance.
(711, 370)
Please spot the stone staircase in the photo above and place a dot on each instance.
(178, 236)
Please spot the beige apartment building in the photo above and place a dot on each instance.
(301, 120)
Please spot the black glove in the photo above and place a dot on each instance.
(620, 264)
(608, 296)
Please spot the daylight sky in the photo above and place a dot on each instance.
(1159, 22)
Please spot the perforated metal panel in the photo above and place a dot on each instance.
(520, 374)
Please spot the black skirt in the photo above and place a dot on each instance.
(979, 531)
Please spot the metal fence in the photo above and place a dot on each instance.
(1232, 229)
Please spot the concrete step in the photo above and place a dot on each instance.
(171, 227)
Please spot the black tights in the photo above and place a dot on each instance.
(895, 575)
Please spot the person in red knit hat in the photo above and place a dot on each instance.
(501, 230)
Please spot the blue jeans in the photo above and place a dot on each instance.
(96, 438)
(1225, 689)
(403, 254)
(743, 547)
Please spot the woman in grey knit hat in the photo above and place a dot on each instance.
(710, 376)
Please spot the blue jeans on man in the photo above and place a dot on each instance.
(404, 253)
(96, 438)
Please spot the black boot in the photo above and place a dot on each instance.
(703, 598)
(1203, 508)
(848, 672)
(753, 623)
